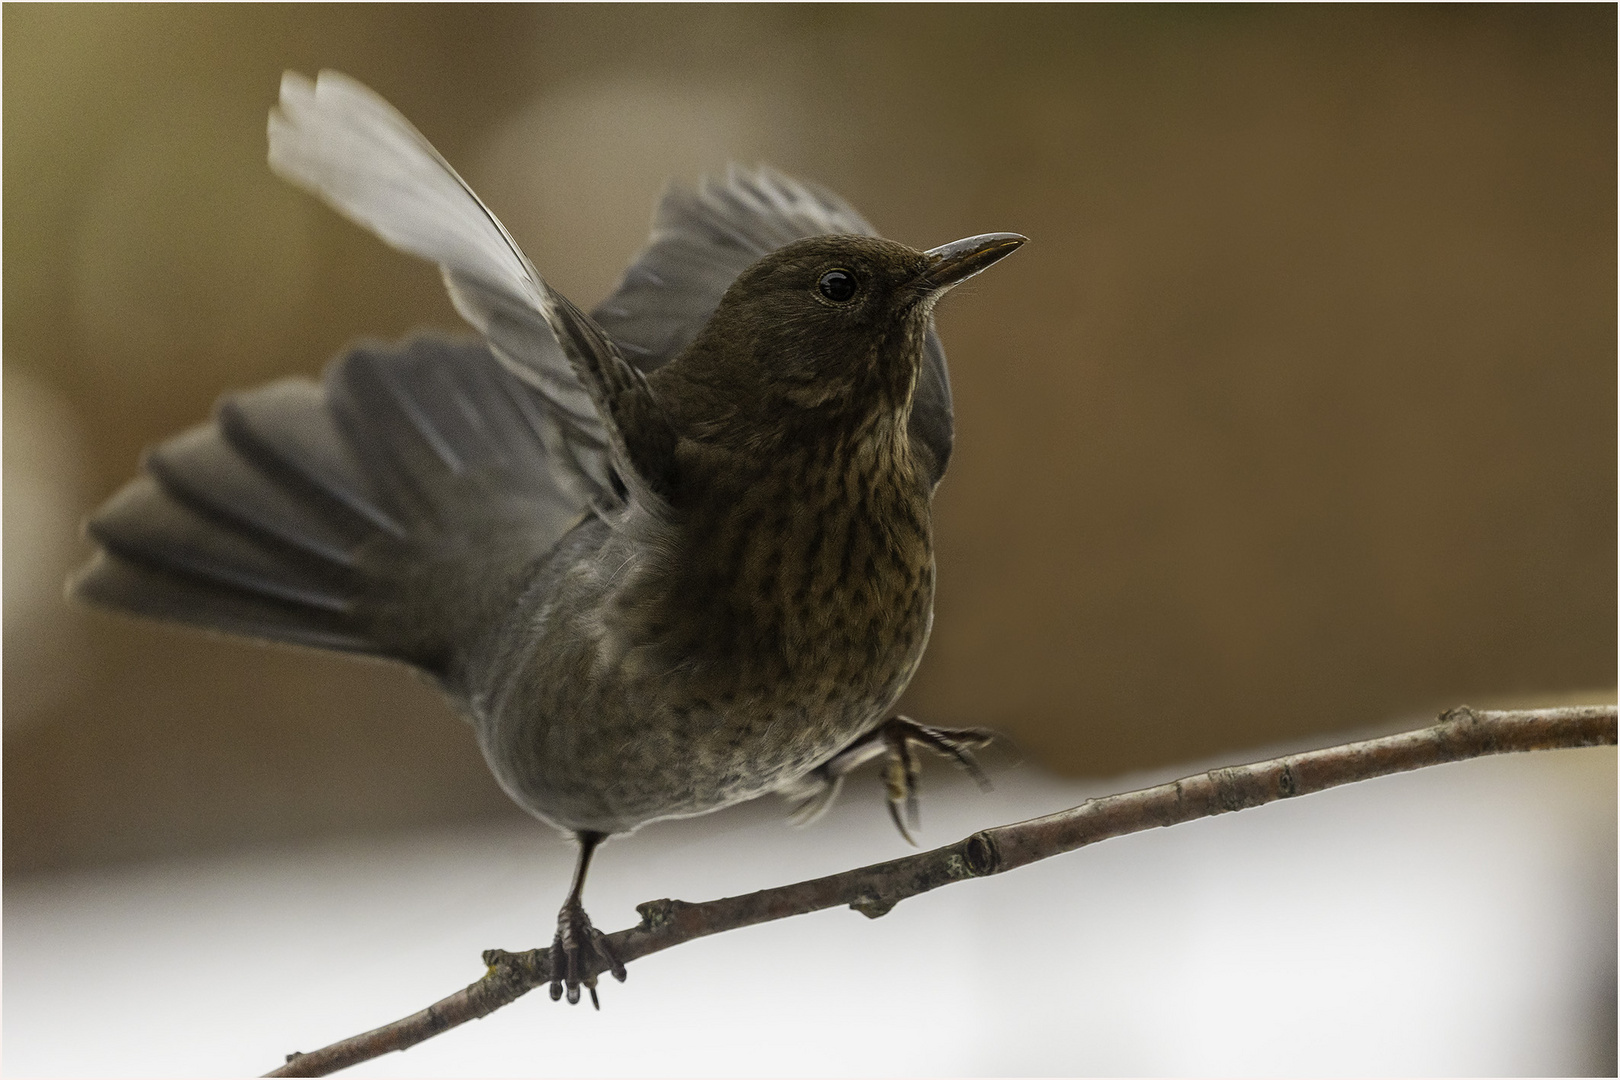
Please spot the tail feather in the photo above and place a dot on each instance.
(286, 429)
(148, 589)
(390, 511)
(207, 473)
(398, 447)
(146, 524)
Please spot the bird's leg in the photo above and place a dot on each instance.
(896, 739)
(575, 934)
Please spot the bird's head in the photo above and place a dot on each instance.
(825, 327)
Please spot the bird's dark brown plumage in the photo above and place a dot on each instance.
(664, 559)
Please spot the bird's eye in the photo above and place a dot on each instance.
(837, 285)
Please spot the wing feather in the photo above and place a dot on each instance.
(339, 140)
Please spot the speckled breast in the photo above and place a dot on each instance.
(672, 675)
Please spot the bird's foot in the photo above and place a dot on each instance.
(900, 736)
(895, 739)
(577, 940)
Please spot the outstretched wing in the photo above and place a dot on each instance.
(701, 240)
(337, 139)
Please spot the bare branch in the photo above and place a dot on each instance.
(872, 890)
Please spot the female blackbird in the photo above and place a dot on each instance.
(665, 558)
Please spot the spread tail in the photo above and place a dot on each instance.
(393, 510)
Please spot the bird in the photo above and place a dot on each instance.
(664, 558)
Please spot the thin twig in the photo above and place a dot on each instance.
(872, 890)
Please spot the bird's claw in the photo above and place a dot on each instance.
(902, 773)
(816, 792)
(576, 935)
(896, 740)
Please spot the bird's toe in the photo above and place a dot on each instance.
(577, 952)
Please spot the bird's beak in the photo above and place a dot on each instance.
(955, 263)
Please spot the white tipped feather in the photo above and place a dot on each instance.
(340, 141)
(337, 139)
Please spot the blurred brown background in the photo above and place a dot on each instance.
(1296, 416)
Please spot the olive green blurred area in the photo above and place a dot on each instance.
(1295, 416)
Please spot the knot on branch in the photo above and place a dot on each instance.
(872, 905)
(529, 967)
(1466, 730)
(1287, 782)
(981, 854)
(657, 914)
(1460, 712)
